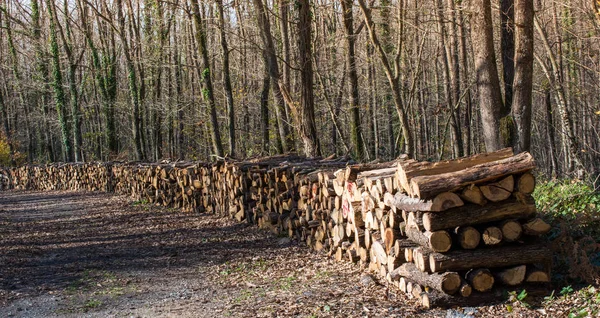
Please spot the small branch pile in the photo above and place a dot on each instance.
(445, 232)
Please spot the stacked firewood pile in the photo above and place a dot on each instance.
(474, 227)
(448, 233)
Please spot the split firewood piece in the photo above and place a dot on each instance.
(415, 220)
(468, 215)
(536, 226)
(511, 230)
(448, 282)
(512, 276)
(438, 241)
(394, 261)
(379, 252)
(489, 258)
(441, 202)
(480, 279)
(492, 235)
(390, 237)
(420, 257)
(473, 194)
(427, 187)
(526, 183)
(468, 237)
(498, 191)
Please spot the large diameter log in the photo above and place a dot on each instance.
(512, 276)
(526, 183)
(448, 282)
(441, 202)
(473, 194)
(410, 168)
(511, 230)
(480, 279)
(469, 215)
(438, 241)
(489, 258)
(496, 192)
(427, 187)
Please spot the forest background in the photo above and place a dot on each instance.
(85, 80)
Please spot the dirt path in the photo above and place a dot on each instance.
(73, 254)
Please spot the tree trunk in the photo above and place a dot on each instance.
(227, 80)
(133, 85)
(355, 127)
(308, 130)
(507, 48)
(59, 93)
(206, 76)
(490, 99)
(523, 80)
(277, 84)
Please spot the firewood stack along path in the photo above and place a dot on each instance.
(454, 232)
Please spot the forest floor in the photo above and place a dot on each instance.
(71, 254)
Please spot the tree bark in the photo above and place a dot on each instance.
(227, 79)
(355, 127)
(488, 84)
(523, 77)
(206, 76)
(308, 130)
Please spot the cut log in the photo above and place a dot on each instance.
(511, 230)
(490, 258)
(390, 237)
(480, 279)
(465, 290)
(491, 236)
(401, 245)
(473, 194)
(536, 226)
(526, 183)
(415, 220)
(394, 261)
(494, 193)
(512, 276)
(536, 275)
(427, 187)
(411, 168)
(468, 237)
(448, 282)
(438, 241)
(420, 257)
(469, 215)
(441, 202)
(379, 252)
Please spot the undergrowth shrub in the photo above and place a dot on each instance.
(572, 207)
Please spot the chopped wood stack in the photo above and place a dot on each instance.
(445, 232)
(474, 224)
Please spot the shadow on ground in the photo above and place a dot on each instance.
(50, 241)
